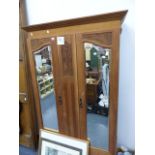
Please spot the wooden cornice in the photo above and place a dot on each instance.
(78, 21)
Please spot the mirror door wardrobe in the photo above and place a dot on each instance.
(74, 71)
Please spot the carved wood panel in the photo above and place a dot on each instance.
(66, 52)
(39, 43)
(64, 60)
(100, 38)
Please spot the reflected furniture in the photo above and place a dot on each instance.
(91, 90)
(66, 40)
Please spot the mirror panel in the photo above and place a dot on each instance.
(97, 68)
(45, 81)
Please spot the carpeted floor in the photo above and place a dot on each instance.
(26, 151)
(49, 112)
(97, 129)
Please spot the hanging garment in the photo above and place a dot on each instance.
(105, 79)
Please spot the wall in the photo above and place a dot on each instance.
(40, 11)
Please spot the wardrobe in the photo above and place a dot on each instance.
(74, 67)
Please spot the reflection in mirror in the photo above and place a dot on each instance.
(97, 94)
(44, 74)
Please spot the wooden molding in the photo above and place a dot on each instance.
(120, 15)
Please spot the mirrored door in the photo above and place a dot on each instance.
(54, 78)
(95, 51)
(43, 81)
(97, 71)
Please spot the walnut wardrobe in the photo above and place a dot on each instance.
(74, 71)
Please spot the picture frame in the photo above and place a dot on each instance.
(52, 143)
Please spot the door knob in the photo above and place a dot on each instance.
(23, 94)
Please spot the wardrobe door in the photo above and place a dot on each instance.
(97, 56)
(43, 77)
(64, 54)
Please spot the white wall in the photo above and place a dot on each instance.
(40, 11)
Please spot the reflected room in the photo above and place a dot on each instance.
(97, 68)
(45, 80)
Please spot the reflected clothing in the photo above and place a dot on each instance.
(105, 79)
